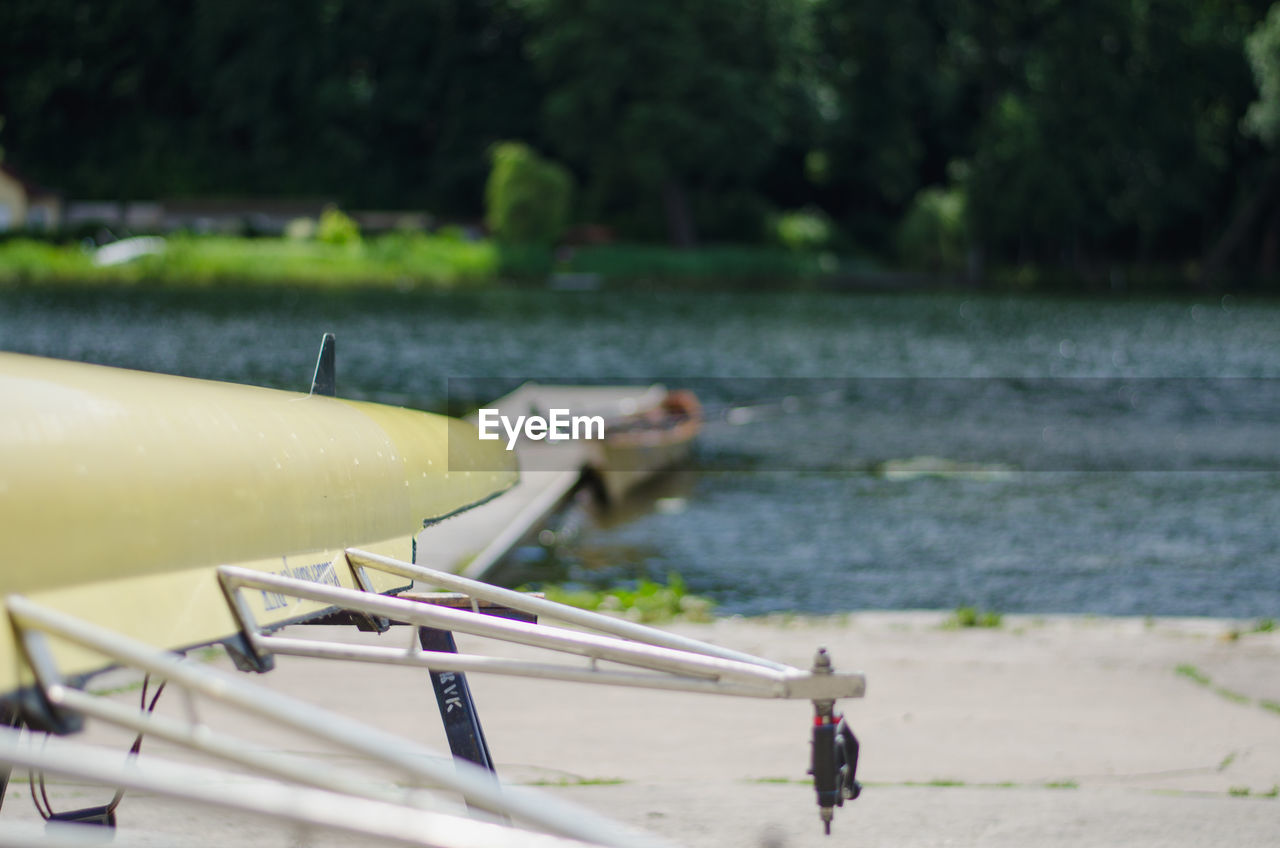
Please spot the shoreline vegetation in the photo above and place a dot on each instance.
(396, 260)
(409, 261)
(1117, 147)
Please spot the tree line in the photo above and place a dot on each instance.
(1083, 136)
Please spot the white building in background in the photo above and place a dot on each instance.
(26, 205)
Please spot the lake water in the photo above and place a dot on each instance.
(1115, 457)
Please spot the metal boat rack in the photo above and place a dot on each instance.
(330, 797)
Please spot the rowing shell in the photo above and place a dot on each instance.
(122, 491)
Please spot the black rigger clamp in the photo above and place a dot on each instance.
(835, 753)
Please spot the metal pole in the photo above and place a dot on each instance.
(539, 636)
(457, 707)
(302, 806)
(550, 609)
(469, 663)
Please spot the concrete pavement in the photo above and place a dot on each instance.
(1049, 731)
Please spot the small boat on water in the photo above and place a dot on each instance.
(646, 442)
(646, 430)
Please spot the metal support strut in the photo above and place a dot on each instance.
(457, 708)
(453, 693)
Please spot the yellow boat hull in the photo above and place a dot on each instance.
(121, 492)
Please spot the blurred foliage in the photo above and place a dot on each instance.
(527, 197)
(933, 234)
(526, 261)
(24, 259)
(803, 229)
(389, 103)
(1076, 161)
(894, 105)
(397, 261)
(401, 260)
(1263, 49)
(967, 617)
(336, 227)
(646, 602)
(723, 262)
(1095, 134)
(667, 104)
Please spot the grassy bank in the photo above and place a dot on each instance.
(390, 261)
(404, 261)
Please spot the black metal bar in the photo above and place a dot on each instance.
(457, 708)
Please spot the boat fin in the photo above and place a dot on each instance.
(325, 382)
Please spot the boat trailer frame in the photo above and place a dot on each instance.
(404, 812)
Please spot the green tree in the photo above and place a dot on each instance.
(94, 93)
(336, 227)
(1263, 49)
(1110, 126)
(663, 105)
(932, 234)
(388, 103)
(892, 107)
(374, 103)
(527, 197)
(1258, 216)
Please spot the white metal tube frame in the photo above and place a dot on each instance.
(667, 662)
(300, 806)
(422, 766)
(480, 590)
(692, 666)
